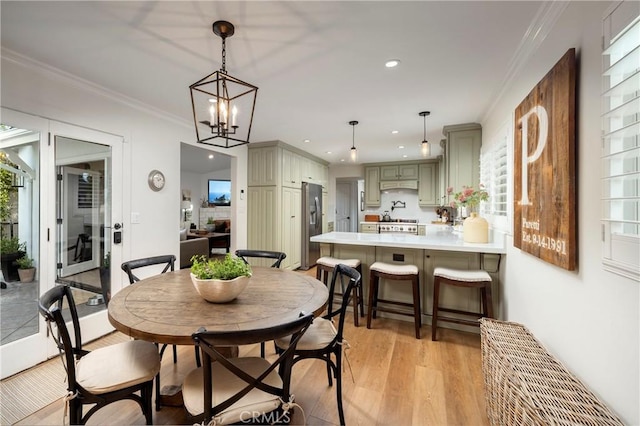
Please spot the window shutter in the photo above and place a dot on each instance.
(621, 141)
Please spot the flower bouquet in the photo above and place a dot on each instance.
(475, 229)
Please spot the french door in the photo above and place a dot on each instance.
(88, 212)
(64, 190)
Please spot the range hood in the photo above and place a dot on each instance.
(398, 184)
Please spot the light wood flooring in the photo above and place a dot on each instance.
(397, 380)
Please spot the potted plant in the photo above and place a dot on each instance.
(219, 281)
(211, 226)
(12, 250)
(26, 270)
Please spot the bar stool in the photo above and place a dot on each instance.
(399, 273)
(461, 278)
(325, 266)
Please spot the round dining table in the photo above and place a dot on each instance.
(166, 308)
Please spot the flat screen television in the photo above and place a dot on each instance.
(219, 192)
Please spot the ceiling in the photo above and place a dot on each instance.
(318, 65)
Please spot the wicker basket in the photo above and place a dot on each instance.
(525, 385)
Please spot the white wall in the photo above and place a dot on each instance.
(588, 318)
(152, 141)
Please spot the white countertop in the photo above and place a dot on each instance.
(443, 238)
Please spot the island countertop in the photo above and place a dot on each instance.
(444, 239)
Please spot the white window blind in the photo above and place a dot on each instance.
(621, 141)
(494, 172)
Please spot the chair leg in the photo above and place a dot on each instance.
(197, 354)
(339, 384)
(262, 350)
(175, 354)
(434, 316)
(416, 305)
(372, 287)
(147, 409)
(489, 301)
(356, 302)
(75, 412)
(157, 391)
(329, 372)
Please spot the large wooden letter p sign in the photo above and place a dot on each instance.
(544, 167)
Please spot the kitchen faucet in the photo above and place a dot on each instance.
(398, 205)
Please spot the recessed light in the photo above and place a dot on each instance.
(394, 132)
(404, 155)
(342, 160)
(210, 156)
(392, 63)
(400, 146)
(329, 152)
(306, 140)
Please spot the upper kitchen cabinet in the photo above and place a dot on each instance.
(372, 186)
(428, 194)
(314, 172)
(291, 173)
(399, 172)
(276, 163)
(462, 155)
(263, 166)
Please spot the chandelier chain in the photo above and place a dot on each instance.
(224, 55)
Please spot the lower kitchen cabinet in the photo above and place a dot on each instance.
(426, 261)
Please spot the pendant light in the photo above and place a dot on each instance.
(425, 148)
(223, 105)
(354, 151)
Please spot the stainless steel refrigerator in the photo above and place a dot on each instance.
(311, 223)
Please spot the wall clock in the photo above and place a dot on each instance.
(156, 180)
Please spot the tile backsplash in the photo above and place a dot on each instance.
(411, 211)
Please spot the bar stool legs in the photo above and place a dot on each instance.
(460, 278)
(394, 272)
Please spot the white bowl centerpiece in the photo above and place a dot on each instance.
(219, 281)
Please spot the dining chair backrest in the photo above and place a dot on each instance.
(168, 260)
(338, 307)
(50, 306)
(265, 254)
(210, 341)
(90, 375)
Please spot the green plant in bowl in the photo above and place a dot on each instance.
(219, 281)
(227, 269)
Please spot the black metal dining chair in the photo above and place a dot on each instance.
(102, 376)
(232, 390)
(169, 265)
(262, 254)
(324, 339)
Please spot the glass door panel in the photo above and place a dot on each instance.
(22, 277)
(83, 208)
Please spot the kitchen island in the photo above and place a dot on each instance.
(440, 238)
(439, 247)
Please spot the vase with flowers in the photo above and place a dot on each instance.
(475, 228)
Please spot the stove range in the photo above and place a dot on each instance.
(399, 226)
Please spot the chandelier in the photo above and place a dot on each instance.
(425, 148)
(223, 105)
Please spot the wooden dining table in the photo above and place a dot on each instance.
(166, 308)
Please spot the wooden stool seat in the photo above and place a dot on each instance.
(479, 279)
(400, 273)
(325, 266)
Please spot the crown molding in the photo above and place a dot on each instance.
(540, 27)
(80, 83)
